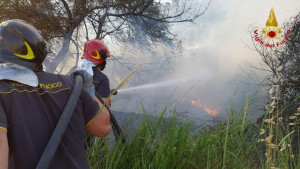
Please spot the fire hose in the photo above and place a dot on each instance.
(115, 125)
(63, 122)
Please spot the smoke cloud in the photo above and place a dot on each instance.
(198, 76)
(204, 76)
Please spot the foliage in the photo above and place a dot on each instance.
(282, 65)
(280, 133)
(164, 143)
(168, 142)
(63, 21)
(291, 82)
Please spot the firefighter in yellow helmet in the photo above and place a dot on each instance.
(31, 103)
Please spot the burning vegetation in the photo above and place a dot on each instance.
(197, 103)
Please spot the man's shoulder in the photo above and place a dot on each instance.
(67, 81)
(98, 75)
(51, 76)
(42, 73)
(47, 83)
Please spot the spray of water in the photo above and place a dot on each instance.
(166, 83)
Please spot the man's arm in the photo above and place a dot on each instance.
(100, 125)
(3, 149)
(102, 87)
(106, 100)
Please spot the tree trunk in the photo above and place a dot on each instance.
(61, 55)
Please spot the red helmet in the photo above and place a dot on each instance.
(96, 51)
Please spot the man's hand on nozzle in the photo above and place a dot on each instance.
(87, 81)
(112, 90)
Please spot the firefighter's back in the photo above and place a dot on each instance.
(32, 114)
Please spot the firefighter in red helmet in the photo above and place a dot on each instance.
(96, 53)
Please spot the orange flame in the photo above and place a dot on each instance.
(197, 103)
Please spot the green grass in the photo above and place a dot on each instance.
(166, 143)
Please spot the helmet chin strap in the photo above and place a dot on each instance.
(17, 73)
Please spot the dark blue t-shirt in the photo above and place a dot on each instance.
(101, 83)
(32, 114)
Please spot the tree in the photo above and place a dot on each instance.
(65, 21)
(282, 64)
(292, 78)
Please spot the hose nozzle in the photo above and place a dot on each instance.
(113, 90)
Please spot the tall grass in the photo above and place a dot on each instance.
(166, 142)
(278, 133)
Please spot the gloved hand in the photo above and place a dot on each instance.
(87, 81)
(112, 90)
